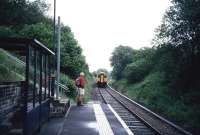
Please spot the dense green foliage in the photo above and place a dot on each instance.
(121, 56)
(166, 78)
(180, 30)
(16, 13)
(26, 19)
(141, 65)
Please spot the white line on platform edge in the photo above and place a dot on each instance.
(121, 121)
(102, 122)
(61, 128)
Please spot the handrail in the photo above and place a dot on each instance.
(16, 59)
(63, 86)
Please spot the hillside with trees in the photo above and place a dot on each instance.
(28, 19)
(166, 77)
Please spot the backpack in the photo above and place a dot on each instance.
(77, 82)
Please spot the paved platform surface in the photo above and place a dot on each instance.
(90, 119)
(52, 127)
(80, 121)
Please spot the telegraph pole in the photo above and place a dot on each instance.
(54, 27)
(54, 49)
(58, 59)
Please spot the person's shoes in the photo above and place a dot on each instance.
(79, 103)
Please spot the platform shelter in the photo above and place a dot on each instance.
(25, 103)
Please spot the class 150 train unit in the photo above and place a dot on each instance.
(101, 80)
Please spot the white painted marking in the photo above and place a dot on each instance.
(61, 128)
(121, 121)
(102, 122)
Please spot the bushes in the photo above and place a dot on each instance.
(149, 88)
(136, 71)
(88, 87)
(120, 85)
(70, 84)
(131, 64)
(167, 78)
(153, 92)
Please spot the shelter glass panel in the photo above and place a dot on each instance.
(43, 77)
(31, 78)
(46, 79)
(37, 91)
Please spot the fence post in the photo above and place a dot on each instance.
(52, 86)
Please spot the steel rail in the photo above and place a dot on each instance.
(178, 128)
(141, 119)
(104, 100)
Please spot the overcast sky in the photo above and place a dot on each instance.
(101, 25)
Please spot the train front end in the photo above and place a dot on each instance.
(102, 80)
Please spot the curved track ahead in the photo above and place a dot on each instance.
(139, 119)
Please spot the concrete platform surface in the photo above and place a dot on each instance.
(90, 119)
(80, 121)
(52, 127)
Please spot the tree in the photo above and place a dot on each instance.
(41, 31)
(23, 18)
(72, 60)
(20, 12)
(141, 65)
(181, 28)
(121, 56)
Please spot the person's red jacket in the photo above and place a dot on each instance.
(82, 81)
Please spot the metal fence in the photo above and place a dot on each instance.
(10, 99)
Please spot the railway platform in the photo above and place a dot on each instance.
(90, 119)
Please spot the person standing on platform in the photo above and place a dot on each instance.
(80, 83)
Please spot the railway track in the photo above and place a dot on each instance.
(139, 119)
(96, 95)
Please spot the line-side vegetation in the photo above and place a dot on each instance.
(28, 19)
(166, 77)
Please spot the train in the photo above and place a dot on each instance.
(101, 80)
